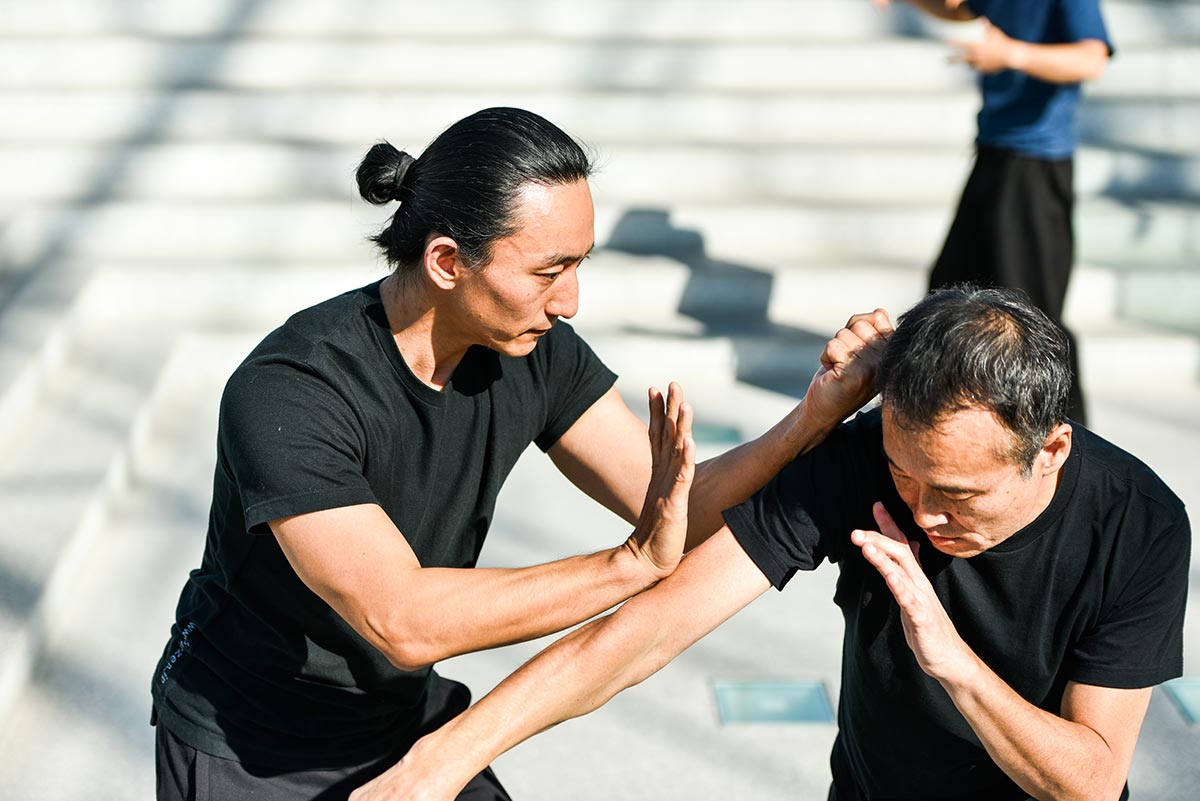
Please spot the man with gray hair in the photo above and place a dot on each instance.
(1012, 585)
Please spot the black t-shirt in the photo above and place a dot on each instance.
(1092, 591)
(325, 413)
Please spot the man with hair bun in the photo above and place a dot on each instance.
(1013, 586)
(360, 450)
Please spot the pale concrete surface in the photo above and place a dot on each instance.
(767, 167)
(659, 740)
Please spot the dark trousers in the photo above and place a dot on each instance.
(1013, 229)
(184, 773)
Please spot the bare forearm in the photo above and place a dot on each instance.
(582, 671)
(585, 669)
(568, 679)
(444, 612)
(574, 676)
(1059, 63)
(732, 477)
(1048, 756)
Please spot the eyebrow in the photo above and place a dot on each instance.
(948, 489)
(567, 258)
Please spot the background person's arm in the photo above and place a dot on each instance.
(580, 672)
(359, 563)
(1072, 62)
(1082, 753)
(604, 452)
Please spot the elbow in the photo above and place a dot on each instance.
(1093, 67)
(1111, 789)
(402, 648)
(407, 659)
(1107, 786)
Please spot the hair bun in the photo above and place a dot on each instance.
(382, 172)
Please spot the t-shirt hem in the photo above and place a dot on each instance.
(1026, 148)
(585, 397)
(259, 514)
(214, 744)
(741, 528)
(1127, 679)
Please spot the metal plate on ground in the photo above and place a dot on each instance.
(1185, 692)
(773, 702)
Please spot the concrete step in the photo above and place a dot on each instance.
(1160, 294)
(249, 63)
(1148, 123)
(1135, 23)
(307, 232)
(412, 117)
(672, 20)
(63, 461)
(239, 171)
(271, 63)
(87, 698)
(38, 313)
(354, 118)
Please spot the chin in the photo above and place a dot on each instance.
(954, 546)
(516, 347)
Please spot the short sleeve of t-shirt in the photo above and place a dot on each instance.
(574, 378)
(1081, 20)
(1138, 640)
(806, 513)
(291, 441)
(1030, 20)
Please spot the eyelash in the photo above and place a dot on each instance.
(552, 276)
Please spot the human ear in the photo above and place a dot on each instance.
(1055, 449)
(443, 264)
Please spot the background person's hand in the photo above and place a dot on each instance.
(992, 52)
(845, 380)
(659, 537)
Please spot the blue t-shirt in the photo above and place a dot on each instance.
(1019, 112)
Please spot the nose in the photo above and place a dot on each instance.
(564, 300)
(926, 512)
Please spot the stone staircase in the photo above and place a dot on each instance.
(177, 178)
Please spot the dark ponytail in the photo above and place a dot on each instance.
(466, 183)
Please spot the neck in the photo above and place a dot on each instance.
(413, 316)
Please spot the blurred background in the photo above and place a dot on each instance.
(176, 178)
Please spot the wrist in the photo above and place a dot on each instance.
(808, 426)
(631, 568)
(1017, 55)
(963, 672)
(445, 760)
